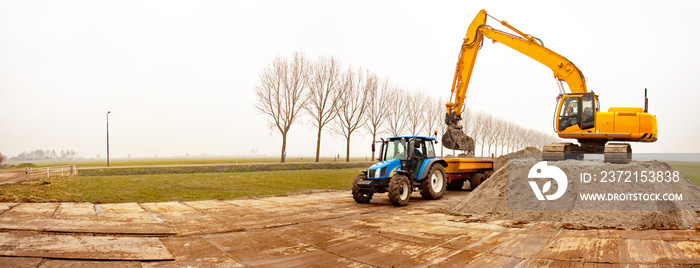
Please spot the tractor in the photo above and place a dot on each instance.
(407, 163)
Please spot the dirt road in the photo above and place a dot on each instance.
(326, 229)
(11, 176)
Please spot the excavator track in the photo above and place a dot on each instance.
(559, 151)
(618, 153)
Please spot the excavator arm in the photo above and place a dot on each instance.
(563, 69)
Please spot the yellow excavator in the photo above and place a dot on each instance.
(577, 115)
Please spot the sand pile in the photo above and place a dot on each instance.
(527, 152)
(490, 199)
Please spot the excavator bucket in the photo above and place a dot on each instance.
(455, 139)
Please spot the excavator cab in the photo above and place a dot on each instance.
(576, 112)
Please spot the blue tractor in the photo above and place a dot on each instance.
(406, 163)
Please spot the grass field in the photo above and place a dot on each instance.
(690, 170)
(164, 161)
(180, 187)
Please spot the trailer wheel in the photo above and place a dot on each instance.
(455, 185)
(476, 180)
(433, 186)
(399, 190)
(356, 194)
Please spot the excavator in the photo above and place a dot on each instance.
(577, 115)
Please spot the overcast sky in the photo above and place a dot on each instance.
(178, 76)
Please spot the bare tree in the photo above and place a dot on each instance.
(396, 118)
(478, 129)
(324, 93)
(531, 138)
(377, 106)
(281, 93)
(545, 138)
(470, 128)
(414, 112)
(352, 105)
(521, 138)
(433, 115)
(440, 125)
(467, 121)
(489, 130)
(508, 134)
(498, 133)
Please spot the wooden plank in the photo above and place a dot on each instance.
(87, 226)
(81, 211)
(521, 246)
(382, 252)
(6, 206)
(108, 227)
(637, 251)
(686, 250)
(45, 210)
(492, 260)
(86, 264)
(29, 244)
(565, 248)
(257, 245)
(316, 258)
(19, 262)
(124, 212)
(603, 251)
(196, 252)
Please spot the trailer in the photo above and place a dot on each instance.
(474, 169)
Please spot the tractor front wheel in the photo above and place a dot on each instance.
(399, 190)
(356, 194)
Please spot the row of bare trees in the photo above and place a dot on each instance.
(46, 154)
(489, 131)
(330, 94)
(350, 100)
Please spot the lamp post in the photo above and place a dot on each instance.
(108, 137)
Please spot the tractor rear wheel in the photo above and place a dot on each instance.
(455, 185)
(399, 190)
(476, 180)
(433, 186)
(356, 194)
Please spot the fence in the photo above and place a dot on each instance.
(48, 172)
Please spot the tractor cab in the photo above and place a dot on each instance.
(407, 153)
